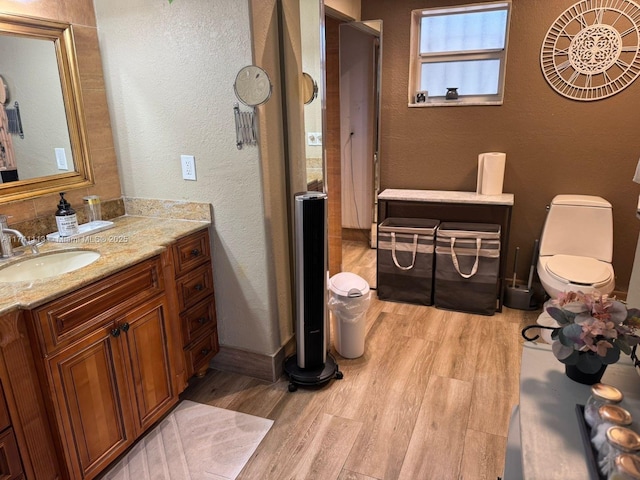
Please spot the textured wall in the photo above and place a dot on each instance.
(348, 8)
(170, 70)
(553, 145)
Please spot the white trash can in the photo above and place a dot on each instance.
(348, 302)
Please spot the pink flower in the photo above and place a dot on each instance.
(592, 322)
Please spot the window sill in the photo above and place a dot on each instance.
(453, 103)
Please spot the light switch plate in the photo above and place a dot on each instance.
(188, 167)
(61, 159)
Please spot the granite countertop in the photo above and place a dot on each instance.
(445, 196)
(131, 240)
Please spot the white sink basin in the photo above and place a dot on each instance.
(47, 265)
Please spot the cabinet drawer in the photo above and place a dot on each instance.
(201, 352)
(10, 463)
(197, 320)
(191, 251)
(65, 320)
(195, 286)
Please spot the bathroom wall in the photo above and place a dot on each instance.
(554, 145)
(350, 9)
(34, 214)
(170, 70)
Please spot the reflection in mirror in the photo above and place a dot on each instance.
(309, 88)
(360, 63)
(39, 69)
(35, 101)
(311, 23)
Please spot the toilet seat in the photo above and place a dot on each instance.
(578, 270)
(554, 282)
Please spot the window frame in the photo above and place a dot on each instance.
(417, 59)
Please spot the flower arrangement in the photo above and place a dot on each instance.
(592, 329)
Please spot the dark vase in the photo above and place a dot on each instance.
(585, 378)
(452, 93)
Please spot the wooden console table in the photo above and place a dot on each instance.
(448, 206)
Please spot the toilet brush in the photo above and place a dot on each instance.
(515, 268)
(534, 258)
(518, 296)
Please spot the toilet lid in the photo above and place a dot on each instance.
(578, 270)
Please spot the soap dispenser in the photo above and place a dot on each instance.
(66, 218)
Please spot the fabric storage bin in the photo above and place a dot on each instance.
(405, 260)
(467, 267)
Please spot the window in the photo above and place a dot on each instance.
(462, 47)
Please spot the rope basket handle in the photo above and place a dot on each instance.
(454, 257)
(393, 251)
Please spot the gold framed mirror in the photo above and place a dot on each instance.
(62, 118)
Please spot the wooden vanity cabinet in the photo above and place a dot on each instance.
(86, 374)
(195, 303)
(106, 355)
(31, 421)
(10, 463)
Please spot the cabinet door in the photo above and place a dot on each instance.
(90, 388)
(10, 466)
(148, 345)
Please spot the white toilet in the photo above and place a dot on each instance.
(576, 247)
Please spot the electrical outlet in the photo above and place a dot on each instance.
(314, 138)
(188, 167)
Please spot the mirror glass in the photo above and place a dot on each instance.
(311, 50)
(360, 79)
(43, 144)
(309, 88)
(252, 86)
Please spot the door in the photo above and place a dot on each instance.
(144, 336)
(91, 389)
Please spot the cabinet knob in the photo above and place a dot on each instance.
(195, 252)
(125, 327)
(115, 332)
(204, 351)
(199, 287)
(202, 320)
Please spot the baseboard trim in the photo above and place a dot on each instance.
(356, 234)
(263, 367)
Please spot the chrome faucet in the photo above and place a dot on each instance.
(5, 239)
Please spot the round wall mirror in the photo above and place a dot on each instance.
(309, 88)
(4, 92)
(252, 86)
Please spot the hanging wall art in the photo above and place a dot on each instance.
(591, 51)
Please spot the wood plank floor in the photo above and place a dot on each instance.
(429, 400)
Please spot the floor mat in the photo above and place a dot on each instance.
(195, 442)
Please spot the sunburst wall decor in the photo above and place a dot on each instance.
(592, 50)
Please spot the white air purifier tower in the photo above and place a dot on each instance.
(312, 364)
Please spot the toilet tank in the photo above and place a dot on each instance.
(578, 225)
